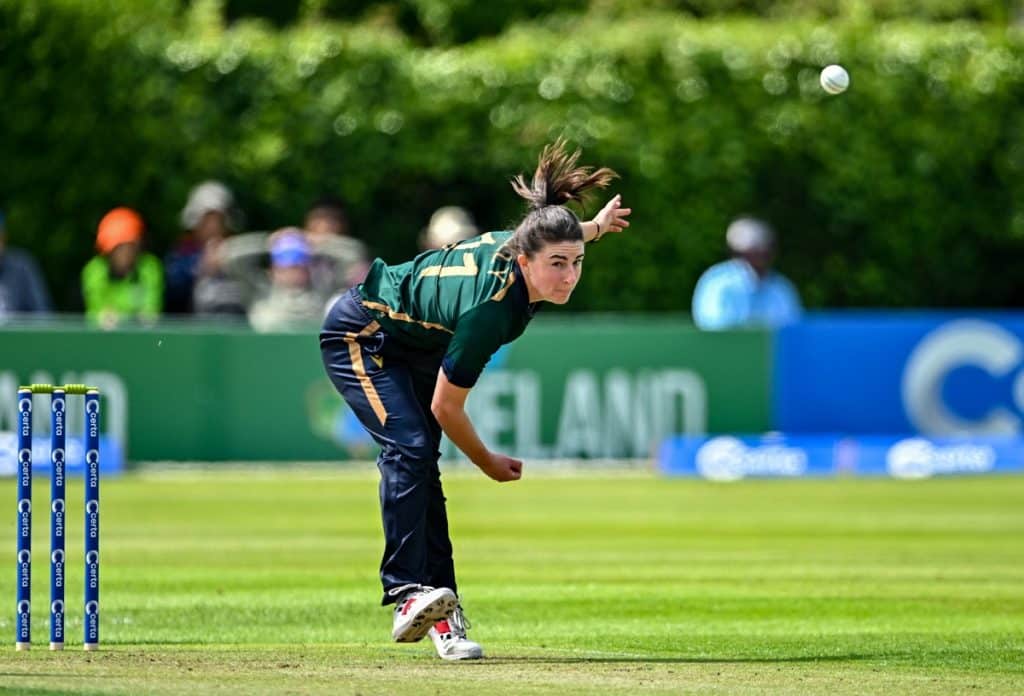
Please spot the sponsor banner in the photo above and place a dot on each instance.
(594, 387)
(937, 374)
(111, 456)
(730, 458)
(614, 387)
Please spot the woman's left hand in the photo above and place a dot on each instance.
(612, 217)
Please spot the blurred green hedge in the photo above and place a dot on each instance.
(908, 190)
(459, 21)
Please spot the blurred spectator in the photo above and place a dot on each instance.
(195, 280)
(745, 291)
(122, 283)
(448, 224)
(339, 261)
(22, 287)
(282, 298)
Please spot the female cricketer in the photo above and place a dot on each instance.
(405, 347)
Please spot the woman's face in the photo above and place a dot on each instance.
(552, 273)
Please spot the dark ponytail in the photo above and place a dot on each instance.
(556, 181)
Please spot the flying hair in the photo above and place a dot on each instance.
(557, 181)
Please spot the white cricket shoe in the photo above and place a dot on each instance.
(419, 609)
(449, 636)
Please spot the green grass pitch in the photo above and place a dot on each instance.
(264, 581)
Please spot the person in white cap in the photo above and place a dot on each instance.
(448, 225)
(195, 281)
(744, 291)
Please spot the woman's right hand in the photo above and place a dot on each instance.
(502, 468)
(448, 407)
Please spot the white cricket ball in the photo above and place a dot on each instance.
(835, 79)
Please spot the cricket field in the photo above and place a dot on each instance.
(252, 581)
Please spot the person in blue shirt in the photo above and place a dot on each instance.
(744, 291)
(22, 286)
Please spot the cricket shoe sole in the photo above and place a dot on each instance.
(415, 615)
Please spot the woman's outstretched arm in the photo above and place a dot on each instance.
(448, 406)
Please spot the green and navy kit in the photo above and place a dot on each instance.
(466, 299)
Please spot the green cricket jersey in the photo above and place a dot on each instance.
(466, 300)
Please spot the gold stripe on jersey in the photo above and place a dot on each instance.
(486, 238)
(509, 279)
(468, 268)
(504, 252)
(401, 316)
(506, 276)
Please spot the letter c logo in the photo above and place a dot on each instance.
(961, 342)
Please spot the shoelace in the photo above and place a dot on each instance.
(407, 589)
(459, 623)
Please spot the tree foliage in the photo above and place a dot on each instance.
(906, 190)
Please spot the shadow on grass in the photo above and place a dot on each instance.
(641, 659)
(170, 642)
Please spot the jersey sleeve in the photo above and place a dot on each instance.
(479, 334)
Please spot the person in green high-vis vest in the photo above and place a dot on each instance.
(122, 283)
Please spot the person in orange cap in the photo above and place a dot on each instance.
(122, 283)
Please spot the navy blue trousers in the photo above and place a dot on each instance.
(389, 386)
